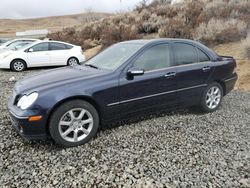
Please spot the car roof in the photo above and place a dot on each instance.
(43, 41)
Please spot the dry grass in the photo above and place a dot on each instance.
(93, 51)
(246, 46)
(236, 50)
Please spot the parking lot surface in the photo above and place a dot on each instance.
(179, 148)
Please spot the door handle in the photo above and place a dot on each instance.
(170, 75)
(205, 69)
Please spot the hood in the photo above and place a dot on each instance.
(57, 77)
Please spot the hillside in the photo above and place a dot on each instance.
(9, 27)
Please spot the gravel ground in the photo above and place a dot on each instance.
(168, 149)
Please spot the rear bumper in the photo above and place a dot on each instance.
(230, 83)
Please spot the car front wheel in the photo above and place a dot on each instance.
(74, 123)
(18, 65)
(212, 97)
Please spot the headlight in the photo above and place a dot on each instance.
(27, 100)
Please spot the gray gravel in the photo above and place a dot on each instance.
(168, 149)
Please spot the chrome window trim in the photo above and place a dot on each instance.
(154, 95)
(176, 66)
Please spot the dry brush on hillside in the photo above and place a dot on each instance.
(209, 22)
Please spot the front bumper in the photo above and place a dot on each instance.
(28, 130)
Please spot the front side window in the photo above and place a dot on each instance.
(184, 54)
(41, 47)
(57, 46)
(157, 57)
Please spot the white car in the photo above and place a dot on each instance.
(42, 53)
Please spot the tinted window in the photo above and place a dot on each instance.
(57, 46)
(41, 47)
(202, 56)
(157, 57)
(68, 46)
(184, 54)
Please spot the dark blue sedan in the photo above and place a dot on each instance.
(128, 78)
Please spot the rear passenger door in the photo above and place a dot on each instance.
(59, 54)
(193, 68)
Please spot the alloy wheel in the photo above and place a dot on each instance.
(213, 97)
(75, 125)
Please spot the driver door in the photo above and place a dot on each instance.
(153, 88)
(39, 55)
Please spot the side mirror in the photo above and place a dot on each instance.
(31, 50)
(135, 72)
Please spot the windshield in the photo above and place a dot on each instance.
(17, 45)
(114, 56)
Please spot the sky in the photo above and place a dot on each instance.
(22, 9)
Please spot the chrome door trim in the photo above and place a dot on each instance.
(233, 78)
(154, 95)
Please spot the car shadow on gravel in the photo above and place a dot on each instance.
(151, 115)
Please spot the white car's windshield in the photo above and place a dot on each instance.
(114, 56)
(17, 45)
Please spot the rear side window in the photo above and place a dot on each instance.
(41, 47)
(57, 46)
(68, 46)
(157, 57)
(202, 56)
(184, 54)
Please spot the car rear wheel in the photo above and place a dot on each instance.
(212, 97)
(73, 61)
(74, 123)
(18, 65)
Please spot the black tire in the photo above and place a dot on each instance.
(204, 106)
(59, 113)
(18, 65)
(73, 61)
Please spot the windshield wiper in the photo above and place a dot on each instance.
(92, 66)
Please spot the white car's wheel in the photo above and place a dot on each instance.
(18, 65)
(73, 61)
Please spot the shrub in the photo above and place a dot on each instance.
(220, 31)
(209, 21)
(246, 46)
(153, 24)
(113, 34)
(175, 28)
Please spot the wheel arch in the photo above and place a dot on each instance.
(79, 97)
(223, 85)
(20, 59)
(72, 57)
